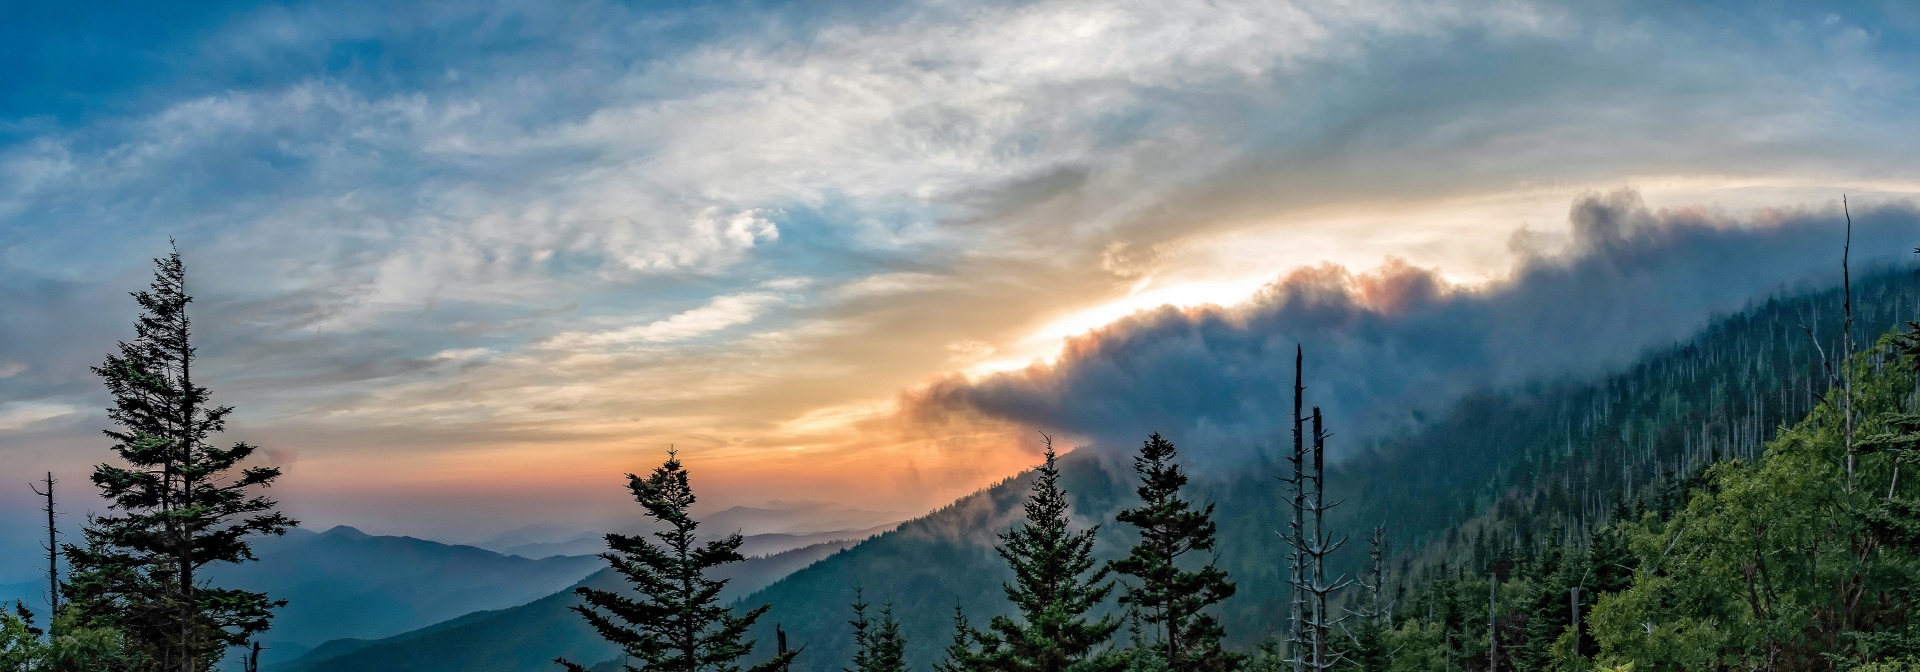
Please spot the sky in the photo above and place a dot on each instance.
(462, 265)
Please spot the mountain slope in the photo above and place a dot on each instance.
(345, 583)
(1573, 447)
(752, 545)
(527, 637)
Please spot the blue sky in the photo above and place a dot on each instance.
(528, 246)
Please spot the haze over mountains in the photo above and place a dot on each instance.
(527, 637)
(773, 527)
(348, 590)
(1448, 475)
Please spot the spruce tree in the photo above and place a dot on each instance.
(960, 656)
(1056, 583)
(676, 622)
(1168, 597)
(888, 647)
(178, 504)
(862, 642)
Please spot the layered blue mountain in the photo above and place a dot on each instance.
(528, 636)
(345, 583)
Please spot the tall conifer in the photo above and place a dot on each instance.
(1056, 583)
(888, 652)
(1167, 596)
(676, 622)
(961, 656)
(862, 640)
(178, 504)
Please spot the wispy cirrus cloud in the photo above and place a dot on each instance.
(723, 312)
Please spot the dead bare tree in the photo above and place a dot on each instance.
(1846, 336)
(1318, 547)
(1295, 537)
(53, 553)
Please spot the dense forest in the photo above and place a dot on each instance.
(1733, 502)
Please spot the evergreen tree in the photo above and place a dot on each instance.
(179, 503)
(960, 656)
(1168, 597)
(676, 623)
(1056, 582)
(888, 647)
(862, 642)
(1370, 649)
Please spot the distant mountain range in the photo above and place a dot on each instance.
(345, 583)
(753, 545)
(773, 527)
(526, 637)
(33, 593)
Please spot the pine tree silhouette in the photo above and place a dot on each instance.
(676, 623)
(1056, 583)
(960, 655)
(1167, 596)
(179, 503)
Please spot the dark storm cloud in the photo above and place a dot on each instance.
(1384, 345)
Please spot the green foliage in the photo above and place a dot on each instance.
(676, 623)
(1057, 583)
(1779, 562)
(25, 648)
(960, 655)
(21, 648)
(180, 503)
(1170, 597)
(889, 646)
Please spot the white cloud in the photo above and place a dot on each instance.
(720, 313)
(460, 354)
(18, 415)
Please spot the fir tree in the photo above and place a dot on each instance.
(1167, 596)
(179, 504)
(676, 623)
(888, 647)
(862, 646)
(961, 656)
(1370, 649)
(1056, 582)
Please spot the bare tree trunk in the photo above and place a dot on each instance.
(1319, 548)
(1319, 552)
(1296, 533)
(53, 557)
(1846, 337)
(1574, 595)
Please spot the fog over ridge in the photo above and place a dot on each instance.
(1383, 346)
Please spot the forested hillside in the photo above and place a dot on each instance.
(1501, 467)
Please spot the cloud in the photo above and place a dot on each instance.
(494, 234)
(1385, 345)
(722, 313)
(19, 415)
